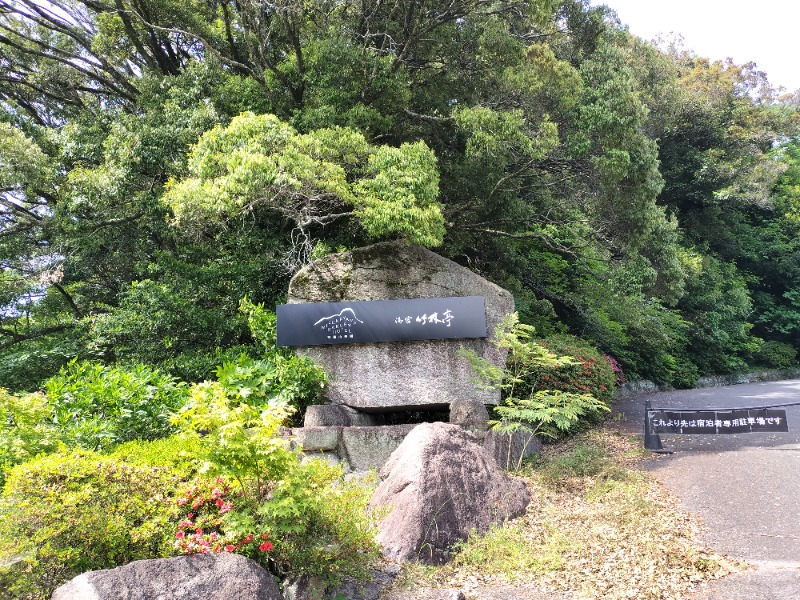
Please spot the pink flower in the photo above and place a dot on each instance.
(265, 547)
(229, 548)
(180, 535)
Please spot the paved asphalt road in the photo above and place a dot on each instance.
(745, 487)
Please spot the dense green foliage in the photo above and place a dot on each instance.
(279, 377)
(237, 487)
(162, 160)
(25, 429)
(96, 407)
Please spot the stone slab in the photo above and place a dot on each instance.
(325, 415)
(317, 439)
(370, 447)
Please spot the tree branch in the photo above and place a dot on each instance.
(75, 310)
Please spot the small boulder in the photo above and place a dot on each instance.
(510, 448)
(440, 484)
(218, 576)
(471, 415)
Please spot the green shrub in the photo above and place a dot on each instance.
(25, 429)
(64, 514)
(275, 379)
(199, 364)
(156, 320)
(314, 522)
(96, 406)
(776, 355)
(279, 376)
(27, 364)
(177, 453)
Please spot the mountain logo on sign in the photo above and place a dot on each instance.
(340, 325)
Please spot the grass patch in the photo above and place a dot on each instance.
(596, 526)
(522, 550)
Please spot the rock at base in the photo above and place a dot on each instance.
(218, 576)
(314, 588)
(370, 447)
(440, 484)
(471, 416)
(317, 439)
(510, 448)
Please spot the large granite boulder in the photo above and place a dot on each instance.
(219, 576)
(400, 375)
(439, 485)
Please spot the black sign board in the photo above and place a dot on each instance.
(743, 420)
(315, 324)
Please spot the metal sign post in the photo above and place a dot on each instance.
(652, 441)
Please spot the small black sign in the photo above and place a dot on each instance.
(315, 324)
(744, 420)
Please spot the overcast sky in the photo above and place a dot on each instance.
(765, 32)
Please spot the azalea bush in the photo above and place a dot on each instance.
(201, 529)
(588, 371)
(292, 516)
(67, 513)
